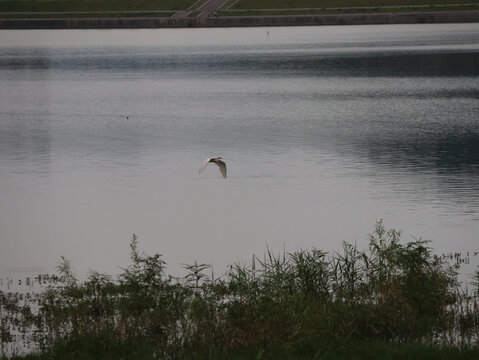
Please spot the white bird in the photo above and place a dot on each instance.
(217, 160)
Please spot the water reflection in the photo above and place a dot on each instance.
(25, 132)
(27, 146)
(368, 62)
(323, 136)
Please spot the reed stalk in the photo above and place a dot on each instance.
(303, 304)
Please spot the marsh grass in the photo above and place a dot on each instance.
(392, 298)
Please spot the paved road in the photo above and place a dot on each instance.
(210, 7)
(204, 8)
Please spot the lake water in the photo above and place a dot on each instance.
(325, 130)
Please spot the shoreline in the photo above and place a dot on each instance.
(243, 21)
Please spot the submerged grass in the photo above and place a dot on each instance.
(391, 301)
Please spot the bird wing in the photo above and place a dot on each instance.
(222, 167)
(202, 168)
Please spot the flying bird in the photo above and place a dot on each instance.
(217, 160)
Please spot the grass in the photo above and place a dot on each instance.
(267, 12)
(88, 15)
(296, 4)
(155, 8)
(390, 301)
(356, 351)
(93, 5)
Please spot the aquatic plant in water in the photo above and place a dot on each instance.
(301, 302)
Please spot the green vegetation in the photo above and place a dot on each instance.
(391, 301)
(297, 4)
(92, 5)
(260, 12)
(312, 7)
(88, 15)
(158, 8)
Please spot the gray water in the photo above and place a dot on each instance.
(325, 130)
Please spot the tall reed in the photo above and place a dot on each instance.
(305, 302)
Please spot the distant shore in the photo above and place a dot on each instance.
(243, 21)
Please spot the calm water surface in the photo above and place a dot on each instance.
(324, 129)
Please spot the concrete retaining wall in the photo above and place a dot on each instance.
(242, 21)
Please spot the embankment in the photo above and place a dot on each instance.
(243, 21)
